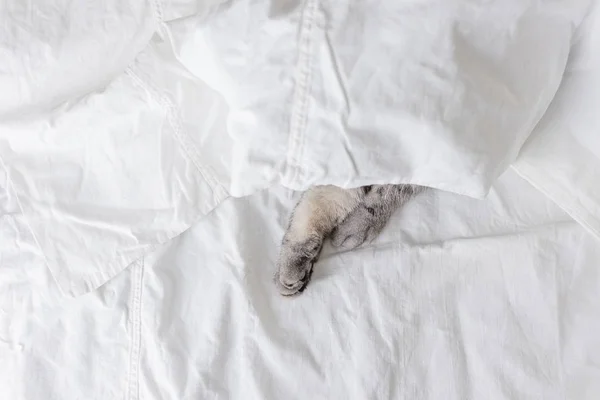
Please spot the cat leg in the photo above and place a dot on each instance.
(318, 212)
(367, 220)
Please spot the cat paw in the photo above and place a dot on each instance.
(363, 225)
(295, 265)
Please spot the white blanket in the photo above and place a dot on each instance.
(124, 123)
(458, 299)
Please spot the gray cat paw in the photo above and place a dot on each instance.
(295, 265)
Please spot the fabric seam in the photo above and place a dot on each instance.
(133, 375)
(298, 119)
(179, 133)
(157, 10)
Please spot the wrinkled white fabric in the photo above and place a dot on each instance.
(446, 92)
(56, 51)
(227, 98)
(459, 298)
(124, 123)
(562, 156)
(54, 347)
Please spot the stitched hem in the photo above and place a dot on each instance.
(135, 323)
(298, 120)
(157, 10)
(179, 133)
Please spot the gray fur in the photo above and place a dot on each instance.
(350, 216)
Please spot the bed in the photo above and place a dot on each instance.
(151, 153)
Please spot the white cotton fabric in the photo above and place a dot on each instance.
(54, 347)
(445, 92)
(125, 123)
(121, 124)
(57, 51)
(562, 156)
(459, 298)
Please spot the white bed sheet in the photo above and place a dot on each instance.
(459, 298)
(200, 102)
(105, 158)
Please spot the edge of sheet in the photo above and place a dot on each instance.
(582, 217)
